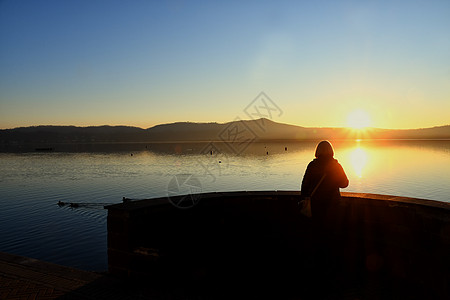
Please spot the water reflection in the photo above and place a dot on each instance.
(31, 184)
(358, 159)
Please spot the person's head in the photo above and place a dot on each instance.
(324, 150)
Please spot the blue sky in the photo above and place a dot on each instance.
(142, 63)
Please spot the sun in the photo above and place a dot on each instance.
(358, 119)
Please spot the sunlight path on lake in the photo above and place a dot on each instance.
(358, 158)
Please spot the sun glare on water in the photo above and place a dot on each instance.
(358, 119)
(358, 159)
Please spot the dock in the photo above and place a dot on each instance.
(247, 245)
(371, 246)
(28, 278)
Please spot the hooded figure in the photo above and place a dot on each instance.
(324, 175)
(321, 182)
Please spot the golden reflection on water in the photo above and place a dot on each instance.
(358, 159)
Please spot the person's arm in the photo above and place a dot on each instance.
(306, 182)
(342, 179)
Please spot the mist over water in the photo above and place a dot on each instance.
(31, 184)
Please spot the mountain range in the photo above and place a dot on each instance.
(235, 131)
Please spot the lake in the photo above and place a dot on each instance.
(32, 183)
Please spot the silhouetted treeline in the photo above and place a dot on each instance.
(261, 129)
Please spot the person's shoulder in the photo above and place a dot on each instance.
(336, 163)
(311, 164)
(314, 162)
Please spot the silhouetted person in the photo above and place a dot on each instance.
(326, 170)
(324, 175)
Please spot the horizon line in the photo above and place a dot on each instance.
(221, 123)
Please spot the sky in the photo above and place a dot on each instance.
(142, 63)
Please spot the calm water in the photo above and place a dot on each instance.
(31, 184)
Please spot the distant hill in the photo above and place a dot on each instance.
(261, 129)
